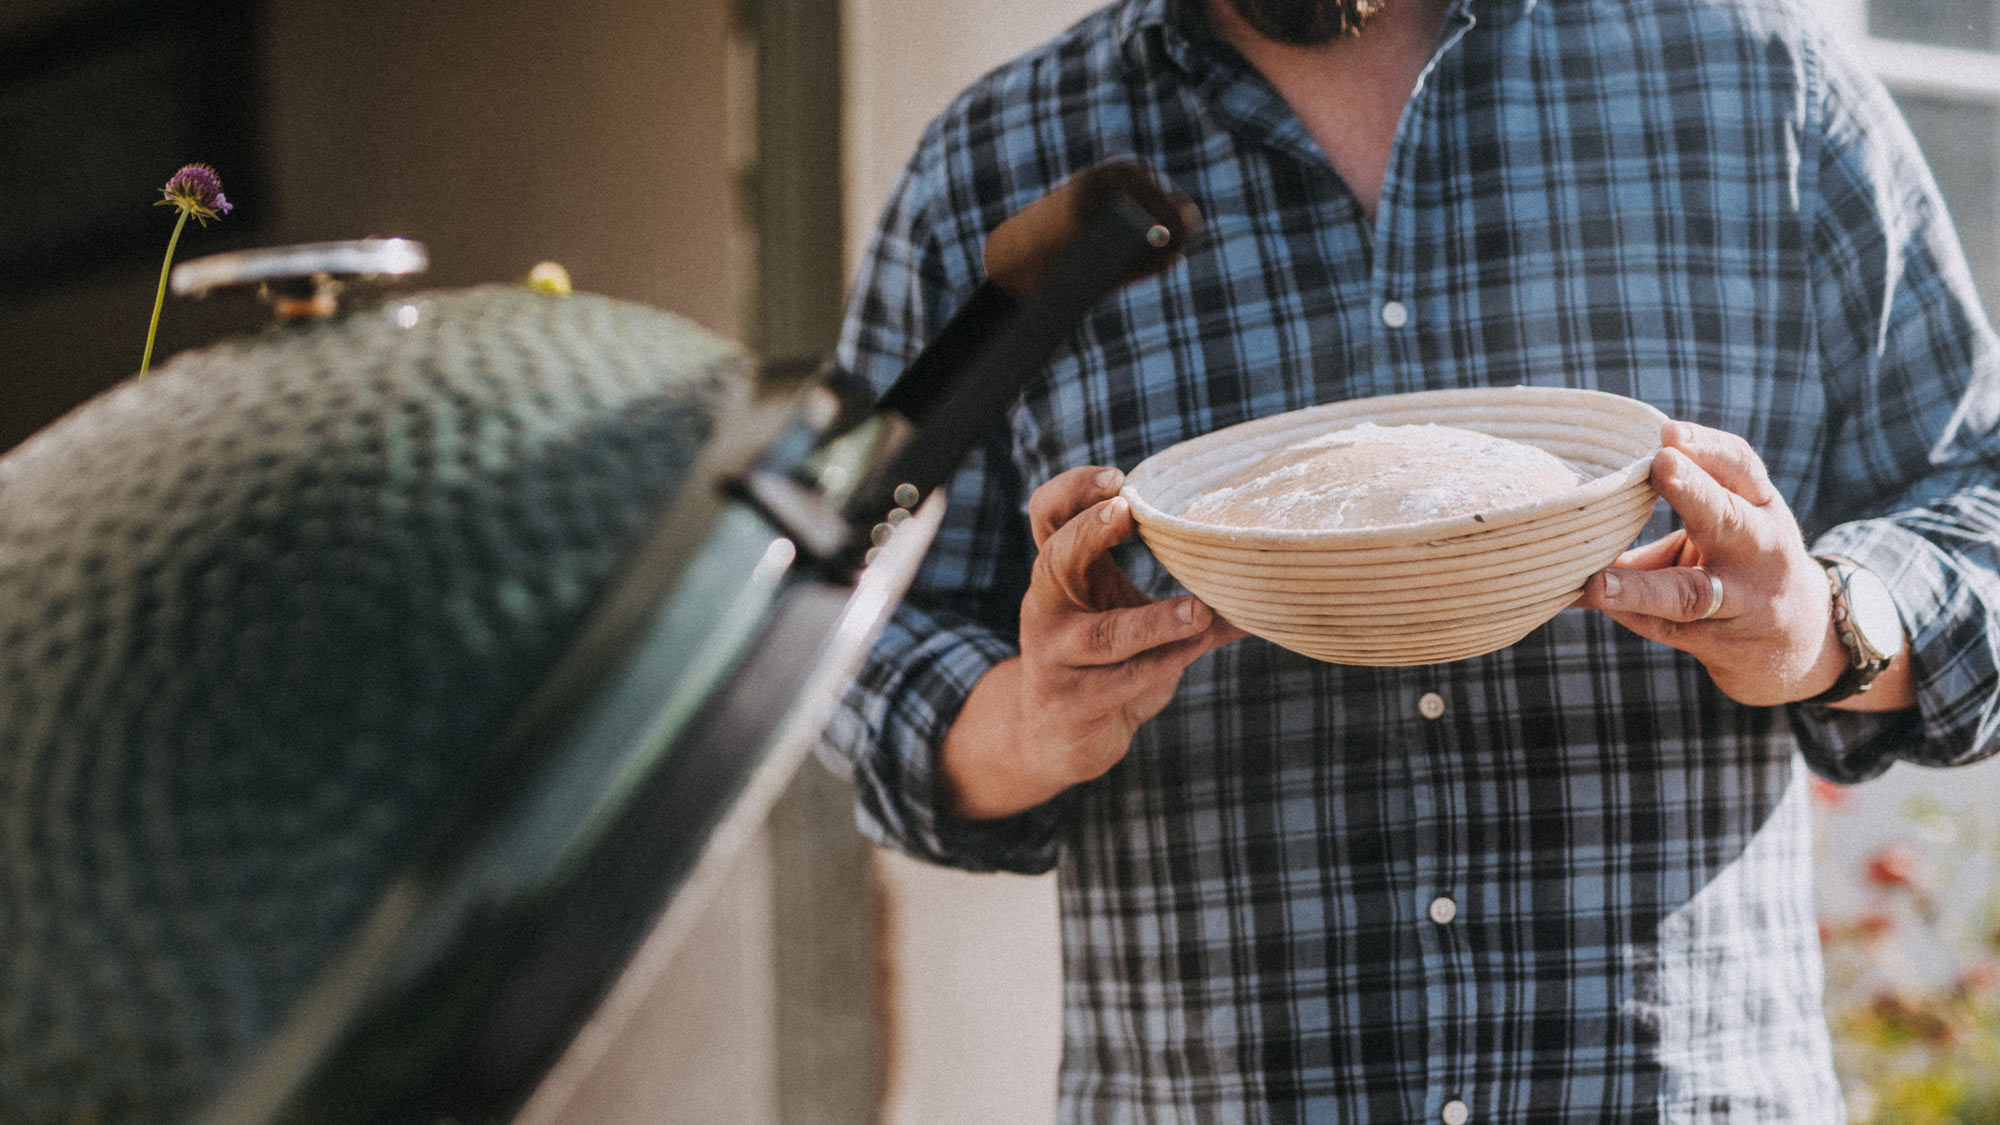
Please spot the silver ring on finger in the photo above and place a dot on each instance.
(1714, 594)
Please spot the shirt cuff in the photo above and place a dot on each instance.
(1952, 653)
(890, 728)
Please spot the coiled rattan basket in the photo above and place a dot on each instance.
(1416, 593)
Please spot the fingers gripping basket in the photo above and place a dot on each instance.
(1416, 593)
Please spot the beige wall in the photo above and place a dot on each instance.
(905, 59)
(506, 132)
(493, 130)
(700, 1045)
(975, 1012)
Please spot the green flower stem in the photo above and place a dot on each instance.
(160, 298)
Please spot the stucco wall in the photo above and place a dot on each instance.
(973, 966)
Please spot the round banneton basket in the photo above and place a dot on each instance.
(1415, 593)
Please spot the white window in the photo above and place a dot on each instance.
(1941, 60)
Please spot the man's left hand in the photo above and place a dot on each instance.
(1770, 640)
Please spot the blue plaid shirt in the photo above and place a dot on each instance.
(1579, 889)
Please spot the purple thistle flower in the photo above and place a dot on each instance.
(197, 191)
(194, 190)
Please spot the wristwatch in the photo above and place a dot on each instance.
(1865, 618)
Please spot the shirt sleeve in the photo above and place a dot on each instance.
(1912, 371)
(961, 616)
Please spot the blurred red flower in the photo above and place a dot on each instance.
(1875, 925)
(1891, 867)
(1980, 978)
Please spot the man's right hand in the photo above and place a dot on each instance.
(1098, 658)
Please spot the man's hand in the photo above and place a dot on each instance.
(1098, 658)
(1771, 639)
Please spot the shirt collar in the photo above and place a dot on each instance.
(1177, 25)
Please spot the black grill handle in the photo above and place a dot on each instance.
(1047, 266)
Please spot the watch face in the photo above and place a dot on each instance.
(1875, 616)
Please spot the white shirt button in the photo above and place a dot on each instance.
(1443, 910)
(1430, 705)
(1395, 314)
(1455, 1113)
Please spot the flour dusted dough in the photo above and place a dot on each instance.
(1376, 476)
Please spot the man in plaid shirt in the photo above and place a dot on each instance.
(1568, 881)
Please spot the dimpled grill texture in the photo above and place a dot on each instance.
(259, 614)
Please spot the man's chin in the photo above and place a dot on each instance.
(1306, 23)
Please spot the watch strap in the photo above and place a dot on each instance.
(1862, 666)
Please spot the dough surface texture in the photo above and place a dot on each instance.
(1379, 476)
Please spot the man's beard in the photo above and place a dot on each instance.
(1306, 22)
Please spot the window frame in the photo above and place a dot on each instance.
(1918, 68)
(1965, 76)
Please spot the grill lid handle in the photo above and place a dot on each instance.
(302, 280)
(1048, 265)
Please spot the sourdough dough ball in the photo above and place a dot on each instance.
(1377, 476)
